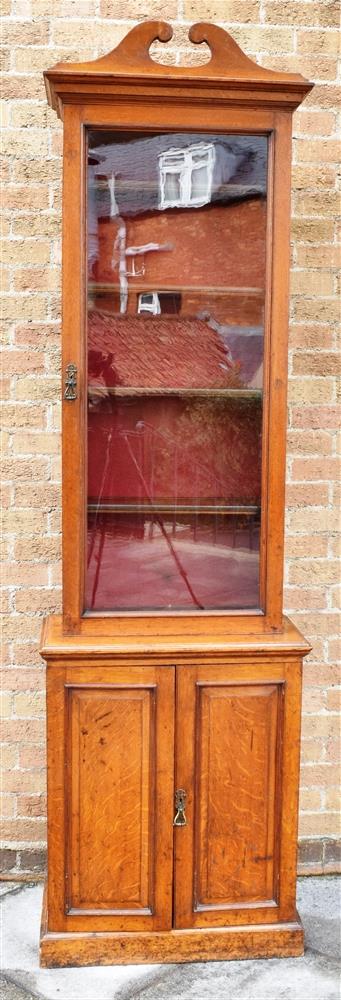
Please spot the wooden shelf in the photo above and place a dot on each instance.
(108, 286)
(166, 391)
(174, 508)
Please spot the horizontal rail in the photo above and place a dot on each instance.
(120, 390)
(174, 508)
(113, 286)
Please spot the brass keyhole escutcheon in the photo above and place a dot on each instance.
(180, 805)
(70, 383)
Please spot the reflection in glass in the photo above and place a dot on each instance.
(176, 274)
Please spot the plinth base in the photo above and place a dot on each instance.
(217, 944)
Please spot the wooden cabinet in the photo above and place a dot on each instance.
(220, 738)
(173, 680)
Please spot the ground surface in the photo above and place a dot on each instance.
(316, 976)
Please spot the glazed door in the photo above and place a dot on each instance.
(119, 792)
(176, 253)
(229, 731)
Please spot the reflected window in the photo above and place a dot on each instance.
(186, 176)
(149, 302)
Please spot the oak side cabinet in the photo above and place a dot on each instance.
(173, 680)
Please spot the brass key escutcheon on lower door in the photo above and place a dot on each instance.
(180, 805)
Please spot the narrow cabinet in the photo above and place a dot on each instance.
(173, 678)
(175, 789)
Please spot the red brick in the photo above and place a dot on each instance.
(334, 700)
(27, 655)
(35, 333)
(32, 805)
(21, 574)
(15, 362)
(297, 546)
(32, 757)
(323, 674)
(316, 416)
(22, 86)
(309, 442)
(14, 415)
(298, 496)
(305, 598)
(321, 776)
(23, 781)
(23, 680)
(38, 600)
(316, 364)
(24, 33)
(19, 196)
(313, 337)
(19, 830)
(307, 469)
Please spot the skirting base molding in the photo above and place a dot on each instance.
(217, 944)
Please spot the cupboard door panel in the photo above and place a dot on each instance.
(119, 856)
(227, 856)
(235, 788)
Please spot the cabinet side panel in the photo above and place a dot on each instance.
(56, 806)
(236, 771)
(111, 768)
(278, 367)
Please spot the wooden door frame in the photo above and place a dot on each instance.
(129, 116)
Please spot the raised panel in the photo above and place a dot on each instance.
(112, 768)
(230, 727)
(235, 794)
(119, 797)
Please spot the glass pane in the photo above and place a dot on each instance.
(172, 187)
(175, 372)
(199, 183)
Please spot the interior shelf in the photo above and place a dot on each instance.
(121, 390)
(113, 286)
(173, 508)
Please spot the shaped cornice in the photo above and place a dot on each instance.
(229, 77)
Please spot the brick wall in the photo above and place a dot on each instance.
(292, 35)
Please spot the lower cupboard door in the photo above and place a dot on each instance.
(229, 731)
(119, 788)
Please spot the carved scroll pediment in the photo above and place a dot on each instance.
(131, 59)
(227, 61)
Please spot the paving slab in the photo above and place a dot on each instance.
(315, 976)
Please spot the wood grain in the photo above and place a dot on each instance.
(111, 788)
(239, 737)
(61, 950)
(254, 686)
(73, 351)
(229, 72)
(110, 797)
(126, 89)
(236, 737)
(221, 118)
(149, 637)
(115, 733)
